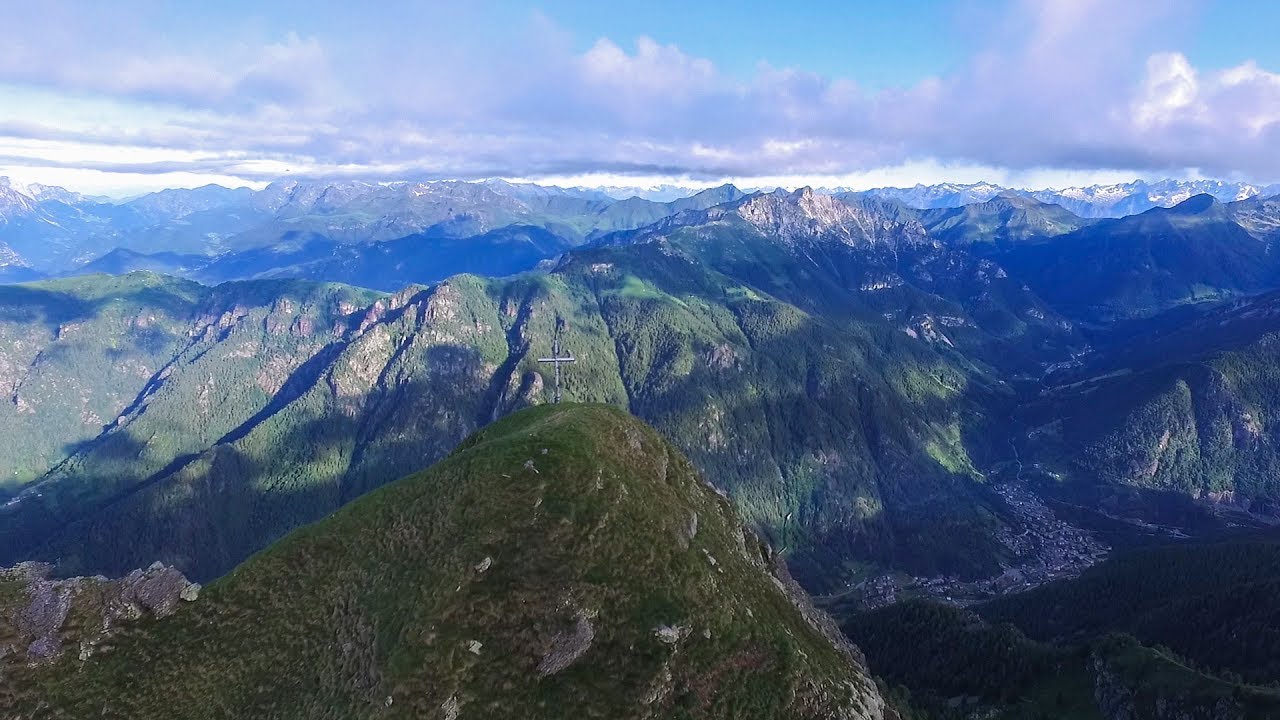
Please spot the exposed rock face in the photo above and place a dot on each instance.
(804, 215)
(41, 617)
(569, 646)
(817, 619)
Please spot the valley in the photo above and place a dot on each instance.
(1043, 548)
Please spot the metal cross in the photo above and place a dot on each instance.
(557, 360)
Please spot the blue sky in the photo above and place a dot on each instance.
(139, 94)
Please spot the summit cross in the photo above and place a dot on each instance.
(557, 359)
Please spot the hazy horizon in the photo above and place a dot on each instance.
(622, 188)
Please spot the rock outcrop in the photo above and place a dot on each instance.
(41, 617)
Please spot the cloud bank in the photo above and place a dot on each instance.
(1071, 85)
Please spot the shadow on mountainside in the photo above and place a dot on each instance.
(53, 303)
(289, 465)
(213, 512)
(846, 443)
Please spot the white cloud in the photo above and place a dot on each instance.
(652, 72)
(1061, 88)
(1169, 93)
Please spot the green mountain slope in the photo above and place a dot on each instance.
(563, 562)
(839, 260)
(74, 354)
(841, 425)
(1188, 405)
(753, 387)
(82, 356)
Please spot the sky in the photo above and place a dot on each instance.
(135, 95)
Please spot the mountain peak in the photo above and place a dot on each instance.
(14, 201)
(797, 212)
(727, 192)
(726, 187)
(805, 215)
(559, 538)
(1196, 204)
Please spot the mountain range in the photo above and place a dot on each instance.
(727, 326)
(1094, 201)
(61, 232)
(387, 234)
(720, 308)
(948, 404)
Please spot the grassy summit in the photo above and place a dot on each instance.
(563, 562)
